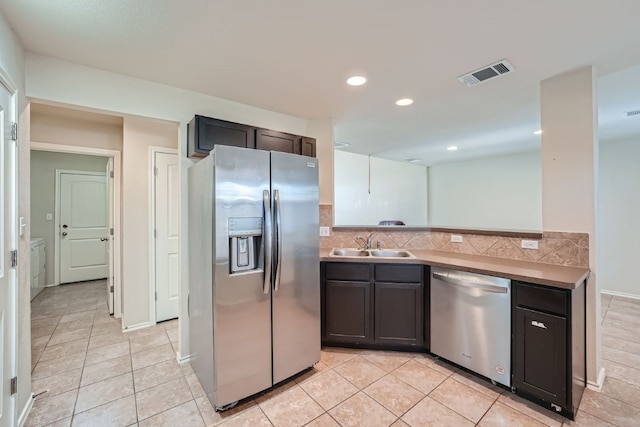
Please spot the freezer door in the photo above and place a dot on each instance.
(241, 308)
(296, 288)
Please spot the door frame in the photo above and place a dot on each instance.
(56, 217)
(152, 227)
(12, 272)
(117, 235)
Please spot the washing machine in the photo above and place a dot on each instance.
(38, 265)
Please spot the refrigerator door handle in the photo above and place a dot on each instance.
(278, 234)
(268, 245)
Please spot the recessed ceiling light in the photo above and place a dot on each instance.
(404, 102)
(412, 160)
(340, 144)
(452, 148)
(538, 132)
(356, 80)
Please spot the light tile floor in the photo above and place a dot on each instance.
(94, 375)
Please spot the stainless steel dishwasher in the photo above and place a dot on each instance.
(471, 322)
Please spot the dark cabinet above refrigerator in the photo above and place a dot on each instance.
(205, 132)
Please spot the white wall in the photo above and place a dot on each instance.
(56, 125)
(12, 65)
(139, 134)
(502, 192)
(618, 224)
(63, 82)
(43, 181)
(387, 191)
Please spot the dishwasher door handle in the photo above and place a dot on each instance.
(473, 285)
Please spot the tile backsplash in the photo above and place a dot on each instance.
(571, 249)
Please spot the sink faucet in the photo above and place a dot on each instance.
(365, 243)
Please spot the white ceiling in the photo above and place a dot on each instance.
(293, 56)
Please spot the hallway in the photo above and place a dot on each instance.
(86, 372)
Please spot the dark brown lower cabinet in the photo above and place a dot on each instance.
(373, 305)
(399, 314)
(348, 311)
(541, 340)
(549, 365)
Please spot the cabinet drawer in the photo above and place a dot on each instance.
(346, 271)
(540, 298)
(398, 273)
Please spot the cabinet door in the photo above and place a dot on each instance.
(399, 314)
(307, 146)
(204, 133)
(541, 355)
(347, 311)
(272, 140)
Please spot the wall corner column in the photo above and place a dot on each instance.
(322, 130)
(569, 118)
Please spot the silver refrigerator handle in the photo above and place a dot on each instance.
(268, 245)
(278, 234)
(469, 284)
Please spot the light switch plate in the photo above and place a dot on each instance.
(456, 238)
(49, 216)
(324, 232)
(529, 244)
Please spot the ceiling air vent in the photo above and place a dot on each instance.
(494, 70)
(633, 113)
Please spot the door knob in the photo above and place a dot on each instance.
(64, 233)
(65, 226)
(104, 239)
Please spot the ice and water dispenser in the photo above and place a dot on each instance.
(245, 239)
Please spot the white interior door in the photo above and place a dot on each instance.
(82, 226)
(110, 236)
(7, 274)
(167, 228)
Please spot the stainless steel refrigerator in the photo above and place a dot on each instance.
(254, 281)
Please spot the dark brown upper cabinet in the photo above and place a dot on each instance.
(307, 146)
(204, 133)
(272, 140)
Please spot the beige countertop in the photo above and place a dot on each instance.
(557, 276)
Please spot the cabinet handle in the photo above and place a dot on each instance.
(538, 324)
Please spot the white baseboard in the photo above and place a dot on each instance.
(183, 360)
(619, 294)
(25, 411)
(600, 382)
(138, 326)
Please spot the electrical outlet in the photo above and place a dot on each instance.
(456, 238)
(529, 244)
(324, 232)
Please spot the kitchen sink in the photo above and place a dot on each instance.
(349, 252)
(388, 253)
(378, 253)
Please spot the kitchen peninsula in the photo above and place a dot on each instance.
(385, 303)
